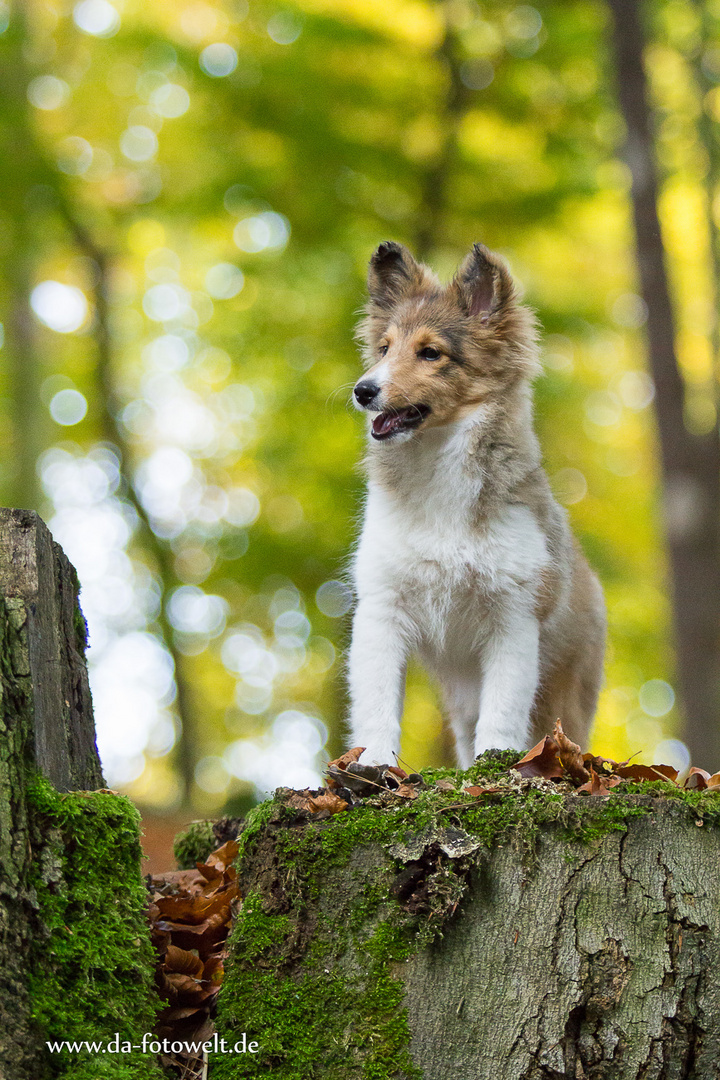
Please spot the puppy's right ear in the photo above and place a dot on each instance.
(393, 272)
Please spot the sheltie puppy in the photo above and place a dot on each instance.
(465, 557)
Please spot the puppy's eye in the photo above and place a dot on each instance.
(429, 353)
(383, 349)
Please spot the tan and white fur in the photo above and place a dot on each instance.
(465, 557)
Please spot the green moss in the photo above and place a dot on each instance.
(489, 766)
(254, 825)
(705, 803)
(354, 1023)
(92, 966)
(260, 933)
(80, 625)
(194, 844)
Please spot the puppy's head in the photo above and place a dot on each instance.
(434, 353)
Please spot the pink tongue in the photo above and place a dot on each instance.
(387, 422)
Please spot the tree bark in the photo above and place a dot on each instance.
(40, 589)
(599, 967)
(580, 943)
(46, 724)
(690, 463)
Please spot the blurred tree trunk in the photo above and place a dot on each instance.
(433, 203)
(187, 750)
(19, 175)
(709, 138)
(690, 463)
(31, 188)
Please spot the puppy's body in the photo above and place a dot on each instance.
(465, 557)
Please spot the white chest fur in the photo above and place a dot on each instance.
(423, 540)
(431, 579)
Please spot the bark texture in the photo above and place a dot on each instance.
(15, 905)
(580, 943)
(599, 967)
(40, 587)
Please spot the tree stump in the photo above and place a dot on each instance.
(75, 954)
(521, 935)
(40, 589)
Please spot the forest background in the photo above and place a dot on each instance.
(190, 195)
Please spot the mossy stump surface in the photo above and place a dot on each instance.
(525, 934)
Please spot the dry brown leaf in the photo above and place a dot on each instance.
(213, 875)
(646, 772)
(183, 962)
(330, 802)
(598, 785)
(348, 757)
(397, 771)
(602, 766)
(297, 800)
(341, 764)
(213, 971)
(179, 1012)
(195, 909)
(176, 881)
(406, 791)
(541, 760)
(185, 989)
(224, 856)
(570, 755)
(697, 779)
(476, 791)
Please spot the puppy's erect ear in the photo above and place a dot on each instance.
(483, 284)
(392, 273)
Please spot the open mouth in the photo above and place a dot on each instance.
(389, 423)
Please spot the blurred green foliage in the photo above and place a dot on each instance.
(146, 144)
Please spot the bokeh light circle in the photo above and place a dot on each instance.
(218, 60)
(68, 407)
(62, 308)
(96, 17)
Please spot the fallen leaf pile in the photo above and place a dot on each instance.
(349, 782)
(556, 763)
(190, 915)
(558, 758)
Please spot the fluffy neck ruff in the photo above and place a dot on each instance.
(478, 460)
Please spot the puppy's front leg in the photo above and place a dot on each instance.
(509, 683)
(378, 656)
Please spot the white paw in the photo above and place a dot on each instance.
(378, 755)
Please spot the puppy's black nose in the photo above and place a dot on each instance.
(365, 392)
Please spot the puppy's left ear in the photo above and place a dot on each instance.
(483, 284)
